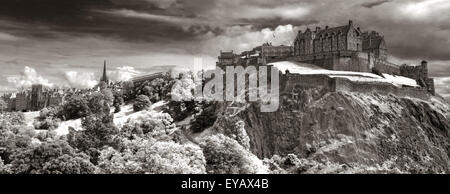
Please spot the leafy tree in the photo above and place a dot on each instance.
(3, 105)
(128, 90)
(99, 104)
(75, 107)
(108, 96)
(142, 102)
(226, 156)
(155, 157)
(50, 157)
(205, 118)
(149, 125)
(99, 131)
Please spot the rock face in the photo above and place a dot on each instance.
(354, 129)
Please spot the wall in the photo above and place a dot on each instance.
(343, 84)
(386, 67)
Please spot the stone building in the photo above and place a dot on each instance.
(267, 50)
(227, 58)
(35, 99)
(258, 55)
(420, 74)
(344, 48)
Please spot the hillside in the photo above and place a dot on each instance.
(354, 133)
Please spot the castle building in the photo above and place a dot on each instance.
(341, 48)
(227, 58)
(344, 48)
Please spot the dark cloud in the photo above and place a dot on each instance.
(375, 3)
(40, 31)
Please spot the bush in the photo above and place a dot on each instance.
(155, 157)
(204, 119)
(99, 131)
(226, 156)
(75, 107)
(142, 102)
(146, 124)
(47, 124)
(50, 157)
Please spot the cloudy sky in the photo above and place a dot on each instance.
(57, 42)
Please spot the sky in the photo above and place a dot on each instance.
(64, 43)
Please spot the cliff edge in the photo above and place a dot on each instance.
(354, 131)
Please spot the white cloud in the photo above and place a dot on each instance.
(123, 73)
(81, 79)
(423, 9)
(8, 37)
(242, 38)
(28, 77)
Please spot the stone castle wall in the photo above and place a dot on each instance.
(343, 84)
(386, 67)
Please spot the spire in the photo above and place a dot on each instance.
(104, 76)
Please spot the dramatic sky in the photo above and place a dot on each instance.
(64, 42)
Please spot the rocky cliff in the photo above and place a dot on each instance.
(357, 132)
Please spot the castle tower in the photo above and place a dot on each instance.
(104, 77)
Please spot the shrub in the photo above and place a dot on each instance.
(148, 124)
(75, 107)
(50, 157)
(99, 131)
(204, 119)
(142, 102)
(155, 157)
(226, 156)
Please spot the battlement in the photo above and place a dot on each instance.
(291, 82)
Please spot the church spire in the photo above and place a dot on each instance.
(104, 76)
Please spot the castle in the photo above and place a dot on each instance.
(342, 48)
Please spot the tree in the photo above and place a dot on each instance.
(108, 96)
(50, 157)
(204, 119)
(75, 107)
(128, 90)
(155, 157)
(3, 105)
(226, 156)
(142, 102)
(99, 131)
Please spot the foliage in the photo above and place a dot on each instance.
(98, 131)
(75, 107)
(128, 90)
(155, 157)
(50, 157)
(226, 156)
(150, 125)
(3, 105)
(142, 102)
(14, 138)
(108, 96)
(205, 118)
(47, 123)
(180, 110)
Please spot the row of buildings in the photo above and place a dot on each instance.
(39, 97)
(33, 100)
(341, 48)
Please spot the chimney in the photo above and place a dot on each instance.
(317, 28)
(350, 22)
(326, 27)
